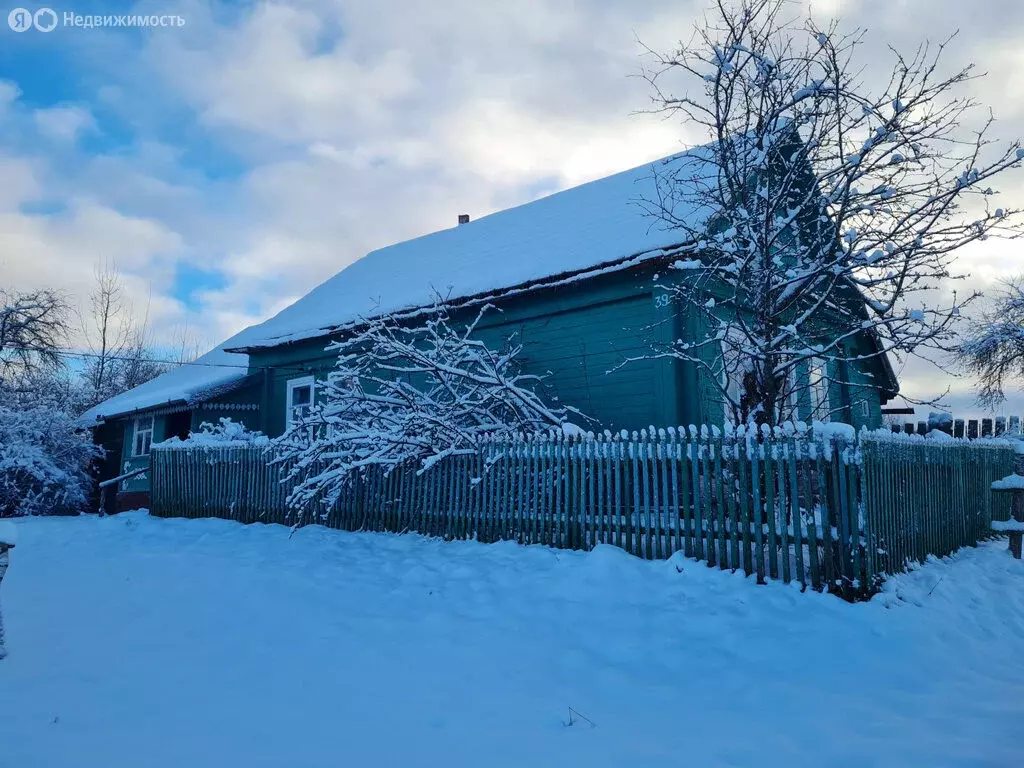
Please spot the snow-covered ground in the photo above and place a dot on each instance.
(139, 642)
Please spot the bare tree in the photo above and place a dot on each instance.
(831, 205)
(33, 331)
(109, 328)
(992, 349)
(120, 355)
(403, 393)
(185, 345)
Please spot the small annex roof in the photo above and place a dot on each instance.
(215, 373)
(577, 230)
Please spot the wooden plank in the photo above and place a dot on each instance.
(732, 503)
(698, 496)
(631, 478)
(824, 449)
(547, 461)
(810, 487)
(768, 471)
(666, 510)
(743, 460)
(756, 509)
(845, 532)
(588, 464)
(797, 521)
(716, 444)
(647, 520)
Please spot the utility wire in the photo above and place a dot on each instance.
(154, 360)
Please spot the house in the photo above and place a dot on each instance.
(171, 405)
(574, 277)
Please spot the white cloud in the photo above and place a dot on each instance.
(361, 124)
(63, 123)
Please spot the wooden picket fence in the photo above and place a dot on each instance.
(827, 512)
(969, 428)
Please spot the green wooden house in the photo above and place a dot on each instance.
(576, 277)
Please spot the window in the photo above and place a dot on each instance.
(143, 436)
(730, 379)
(300, 399)
(820, 408)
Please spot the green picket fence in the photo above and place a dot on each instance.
(824, 511)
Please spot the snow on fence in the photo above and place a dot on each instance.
(827, 511)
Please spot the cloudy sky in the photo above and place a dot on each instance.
(231, 164)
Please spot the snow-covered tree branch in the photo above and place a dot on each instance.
(836, 200)
(410, 394)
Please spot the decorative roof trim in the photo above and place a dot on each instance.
(211, 406)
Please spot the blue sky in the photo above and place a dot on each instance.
(230, 165)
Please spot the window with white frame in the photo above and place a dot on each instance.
(142, 437)
(818, 379)
(300, 399)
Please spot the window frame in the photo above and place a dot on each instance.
(821, 402)
(138, 431)
(293, 384)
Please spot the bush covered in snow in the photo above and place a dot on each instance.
(45, 461)
(224, 433)
(410, 393)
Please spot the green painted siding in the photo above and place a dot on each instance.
(210, 412)
(582, 334)
(584, 353)
(578, 336)
(163, 427)
(130, 462)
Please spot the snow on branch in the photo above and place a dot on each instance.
(45, 460)
(410, 394)
(837, 202)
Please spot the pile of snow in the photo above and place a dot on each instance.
(259, 648)
(940, 420)
(8, 533)
(1009, 483)
(1007, 526)
(834, 430)
(227, 433)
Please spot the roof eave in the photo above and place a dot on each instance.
(634, 261)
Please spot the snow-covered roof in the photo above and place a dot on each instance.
(598, 223)
(214, 373)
